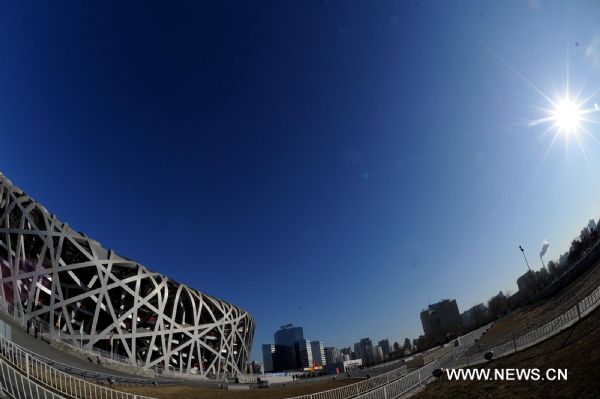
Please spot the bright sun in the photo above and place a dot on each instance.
(567, 115)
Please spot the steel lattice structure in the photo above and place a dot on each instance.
(99, 300)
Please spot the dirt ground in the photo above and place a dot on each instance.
(577, 349)
(180, 392)
(502, 330)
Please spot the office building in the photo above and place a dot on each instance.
(385, 347)
(475, 317)
(304, 353)
(332, 355)
(318, 353)
(346, 351)
(288, 335)
(292, 352)
(268, 353)
(441, 322)
(378, 354)
(286, 352)
(365, 350)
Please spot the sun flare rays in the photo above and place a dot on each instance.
(565, 115)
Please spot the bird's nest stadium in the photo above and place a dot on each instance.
(97, 300)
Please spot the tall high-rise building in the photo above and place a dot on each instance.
(286, 352)
(288, 335)
(475, 317)
(385, 347)
(365, 350)
(441, 321)
(318, 353)
(350, 352)
(285, 358)
(268, 352)
(304, 353)
(333, 355)
(291, 351)
(378, 354)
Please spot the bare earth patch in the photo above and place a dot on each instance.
(180, 392)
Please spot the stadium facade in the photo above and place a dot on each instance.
(82, 293)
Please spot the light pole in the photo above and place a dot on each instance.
(523, 252)
(542, 261)
(530, 272)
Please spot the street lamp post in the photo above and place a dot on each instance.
(523, 252)
(530, 272)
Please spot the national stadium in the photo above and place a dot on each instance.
(62, 282)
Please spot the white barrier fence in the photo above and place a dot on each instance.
(458, 357)
(16, 385)
(394, 381)
(25, 376)
(353, 390)
(547, 330)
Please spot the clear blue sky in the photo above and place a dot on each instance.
(336, 165)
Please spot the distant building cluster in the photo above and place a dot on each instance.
(292, 352)
(441, 321)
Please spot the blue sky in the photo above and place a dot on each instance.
(336, 165)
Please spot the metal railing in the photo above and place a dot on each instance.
(99, 375)
(49, 378)
(25, 376)
(18, 386)
(356, 389)
(553, 310)
(392, 379)
(165, 370)
(399, 385)
(545, 331)
(42, 328)
(459, 357)
(76, 342)
(404, 384)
